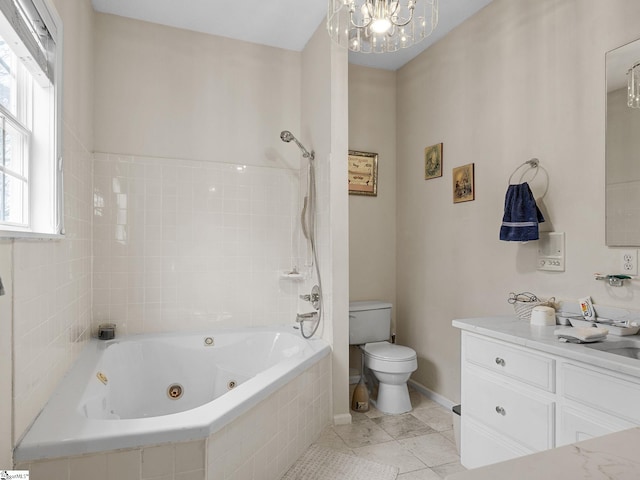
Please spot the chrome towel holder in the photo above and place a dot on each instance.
(534, 163)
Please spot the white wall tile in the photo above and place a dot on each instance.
(52, 287)
(189, 245)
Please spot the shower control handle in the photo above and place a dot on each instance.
(314, 297)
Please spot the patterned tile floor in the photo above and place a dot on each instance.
(420, 443)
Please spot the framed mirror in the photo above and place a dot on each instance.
(622, 166)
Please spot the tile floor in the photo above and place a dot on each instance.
(420, 443)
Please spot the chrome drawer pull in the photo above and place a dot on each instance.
(500, 361)
(501, 411)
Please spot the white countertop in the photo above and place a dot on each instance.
(613, 457)
(519, 332)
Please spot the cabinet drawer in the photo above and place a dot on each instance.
(514, 412)
(536, 370)
(607, 392)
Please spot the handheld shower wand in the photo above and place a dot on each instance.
(307, 221)
(287, 136)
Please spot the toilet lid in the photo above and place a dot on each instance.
(390, 352)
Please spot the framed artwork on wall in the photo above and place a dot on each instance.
(433, 161)
(363, 173)
(464, 189)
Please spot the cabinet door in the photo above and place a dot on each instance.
(604, 391)
(479, 446)
(576, 423)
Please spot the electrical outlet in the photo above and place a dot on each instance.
(629, 262)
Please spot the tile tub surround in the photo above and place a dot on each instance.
(260, 445)
(182, 244)
(52, 293)
(613, 456)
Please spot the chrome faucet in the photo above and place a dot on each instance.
(303, 317)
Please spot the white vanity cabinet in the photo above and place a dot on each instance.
(508, 401)
(534, 393)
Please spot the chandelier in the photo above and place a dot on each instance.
(633, 86)
(380, 26)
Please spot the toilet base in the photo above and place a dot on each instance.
(393, 399)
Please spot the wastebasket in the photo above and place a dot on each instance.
(457, 413)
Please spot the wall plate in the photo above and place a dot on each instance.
(629, 262)
(551, 251)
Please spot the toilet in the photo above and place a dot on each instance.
(391, 364)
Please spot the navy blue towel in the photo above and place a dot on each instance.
(521, 215)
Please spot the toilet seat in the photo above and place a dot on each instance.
(389, 352)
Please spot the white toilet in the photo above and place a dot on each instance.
(392, 365)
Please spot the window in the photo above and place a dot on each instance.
(30, 119)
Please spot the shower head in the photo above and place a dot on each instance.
(287, 136)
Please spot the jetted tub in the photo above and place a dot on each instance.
(161, 388)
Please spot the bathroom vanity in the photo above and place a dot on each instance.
(524, 391)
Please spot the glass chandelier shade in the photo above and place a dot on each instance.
(633, 86)
(381, 26)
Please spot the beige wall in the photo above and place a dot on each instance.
(50, 287)
(518, 80)
(172, 93)
(372, 220)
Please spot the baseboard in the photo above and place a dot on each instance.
(430, 394)
(342, 419)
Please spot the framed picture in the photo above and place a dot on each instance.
(433, 161)
(463, 184)
(363, 173)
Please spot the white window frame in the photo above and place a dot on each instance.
(44, 173)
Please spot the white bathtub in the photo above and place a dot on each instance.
(117, 394)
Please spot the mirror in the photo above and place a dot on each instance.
(622, 167)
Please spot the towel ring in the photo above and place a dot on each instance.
(534, 163)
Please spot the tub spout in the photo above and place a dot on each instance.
(304, 317)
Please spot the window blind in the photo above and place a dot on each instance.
(35, 44)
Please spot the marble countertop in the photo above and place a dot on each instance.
(513, 330)
(612, 457)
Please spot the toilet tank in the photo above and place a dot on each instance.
(369, 321)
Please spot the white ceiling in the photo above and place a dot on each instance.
(276, 23)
